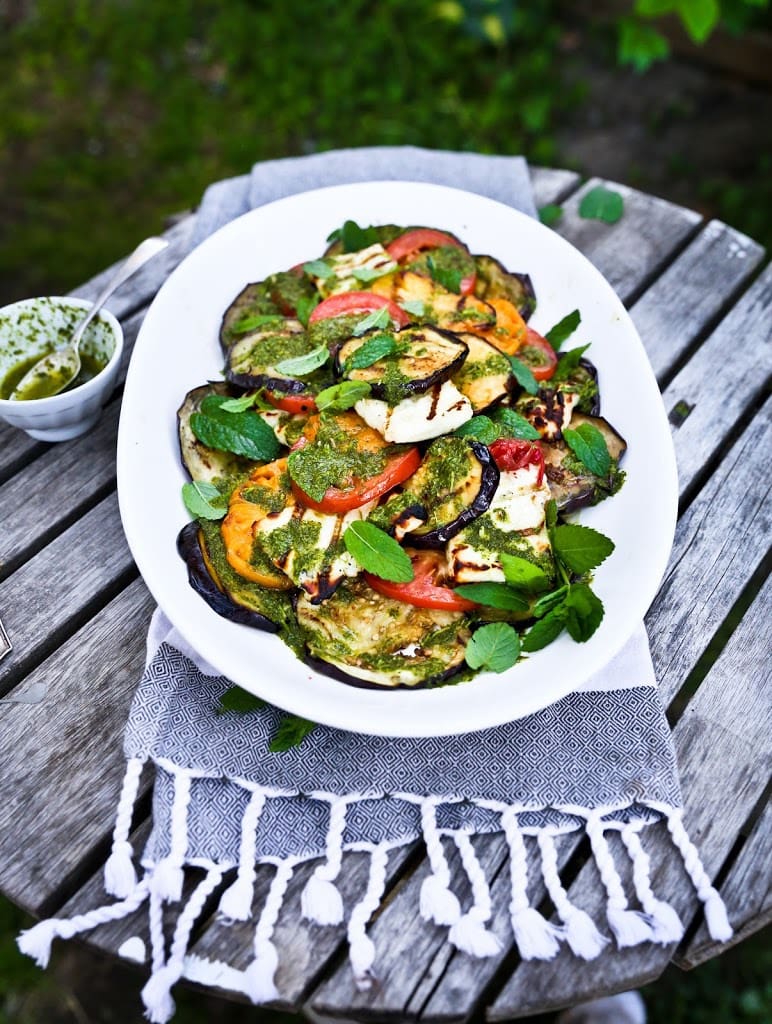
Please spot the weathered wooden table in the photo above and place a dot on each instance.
(77, 615)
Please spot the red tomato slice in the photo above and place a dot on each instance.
(538, 355)
(425, 589)
(338, 499)
(357, 302)
(511, 454)
(292, 403)
(417, 241)
(412, 242)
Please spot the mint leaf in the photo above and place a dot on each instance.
(415, 307)
(305, 306)
(318, 268)
(243, 433)
(580, 548)
(524, 575)
(481, 428)
(301, 366)
(495, 647)
(448, 277)
(238, 700)
(367, 274)
(376, 552)
(584, 612)
(375, 348)
(568, 362)
(251, 323)
(240, 404)
(203, 500)
(495, 595)
(563, 329)
(589, 446)
(342, 396)
(378, 318)
(352, 237)
(601, 203)
(512, 424)
(545, 630)
(291, 733)
(548, 601)
(523, 376)
(550, 214)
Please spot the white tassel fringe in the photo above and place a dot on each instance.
(629, 927)
(470, 935)
(583, 938)
(258, 977)
(716, 917)
(321, 902)
(361, 946)
(437, 903)
(120, 876)
(536, 938)
(666, 925)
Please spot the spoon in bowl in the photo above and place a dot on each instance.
(57, 370)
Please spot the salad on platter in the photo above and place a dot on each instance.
(386, 473)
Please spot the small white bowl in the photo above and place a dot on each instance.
(72, 412)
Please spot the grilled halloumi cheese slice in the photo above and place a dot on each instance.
(549, 412)
(514, 524)
(355, 271)
(439, 306)
(308, 546)
(441, 410)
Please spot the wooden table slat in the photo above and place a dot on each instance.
(61, 763)
(736, 763)
(630, 252)
(552, 185)
(697, 287)
(60, 584)
(719, 544)
(723, 379)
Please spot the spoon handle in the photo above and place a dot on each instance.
(144, 252)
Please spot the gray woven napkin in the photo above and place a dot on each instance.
(599, 760)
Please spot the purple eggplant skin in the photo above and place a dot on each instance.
(189, 549)
(333, 672)
(252, 381)
(489, 481)
(414, 385)
(252, 298)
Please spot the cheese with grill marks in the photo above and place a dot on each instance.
(514, 524)
(440, 410)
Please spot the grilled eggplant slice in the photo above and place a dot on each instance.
(455, 484)
(572, 485)
(202, 463)
(583, 383)
(245, 607)
(494, 281)
(375, 639)
(424, 358)
(486, 376)
(252, 359)
(253, 303)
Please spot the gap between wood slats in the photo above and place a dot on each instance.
(710, 325)
(21, 669)
(703, 475)
(723, 634)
